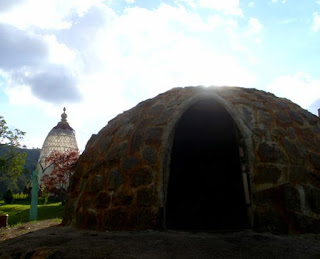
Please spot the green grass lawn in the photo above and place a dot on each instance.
(19, 211)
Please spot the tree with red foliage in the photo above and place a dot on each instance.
(63, 166)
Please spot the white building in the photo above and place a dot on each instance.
(61, 138)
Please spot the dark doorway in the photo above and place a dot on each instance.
(205, 189)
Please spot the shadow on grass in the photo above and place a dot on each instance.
(19, 213)
(25, 245)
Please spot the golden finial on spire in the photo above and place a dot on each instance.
(64, 115)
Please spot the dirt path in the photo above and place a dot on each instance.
(54, 241)
(12, 232)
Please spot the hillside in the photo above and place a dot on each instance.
(29, 166)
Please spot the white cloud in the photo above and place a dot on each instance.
(243, 38)
(130, 1)
(150, 52)
(299, 88)
(227, 6)
(190, 3)
(21, 94)
(316, 22)
(220, 22)
(53, 14)
(59, 53)
(251, 4)
(156, 45)
(119, 60)
(254, 26)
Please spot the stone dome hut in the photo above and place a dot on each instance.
(195, 158)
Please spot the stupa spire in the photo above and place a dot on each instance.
(64, 115)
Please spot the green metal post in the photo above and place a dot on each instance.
(34, 196)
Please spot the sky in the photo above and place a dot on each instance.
(99, 58)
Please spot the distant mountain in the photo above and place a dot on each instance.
(30, 165)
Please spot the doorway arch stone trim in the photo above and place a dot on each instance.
(245, 147)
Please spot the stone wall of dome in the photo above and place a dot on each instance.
(121, 179)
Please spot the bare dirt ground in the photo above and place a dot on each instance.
(46, 239)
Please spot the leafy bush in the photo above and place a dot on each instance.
(45, 196)
(20, 196)
(8, 196)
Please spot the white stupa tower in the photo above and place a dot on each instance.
(61, 138)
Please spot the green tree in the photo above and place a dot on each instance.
(62, 166)
(8, 196)
(12, 158)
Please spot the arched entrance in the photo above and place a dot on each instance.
(205, 188)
